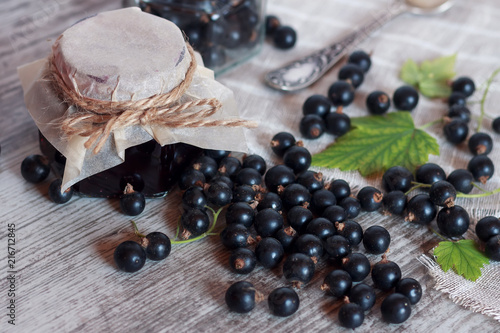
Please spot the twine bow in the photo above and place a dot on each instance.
(97, 119)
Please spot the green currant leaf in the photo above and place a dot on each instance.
(440, 69)
(410, 73)
(377, 143)
(461, 256)
(432, 88)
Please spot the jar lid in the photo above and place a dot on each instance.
(120, 62)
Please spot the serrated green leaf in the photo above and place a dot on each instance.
(377, 143)
(410, 73)
(432, 88)
(439, 69)
(461, 256)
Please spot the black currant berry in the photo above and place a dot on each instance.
(351, 230)
(267, 222)
(321, 227)
(297, 158)
(248, 176)
(357, 265)
(286, 237)
(229, 166)
(312, 126)
(310, 245)
(272, 23)
(311, 180)
(190, 178)
(385, 274)
(269, 252)
(335, 213)
(341, 93)
(322, 199)
(283, 302)
(295, 195)
(298, 269)
(35, 168)
(463, 85)
(397, 178)
(244, 193)
(235, 235)
(376, 239)
(394, 203)
(351, 315)
(241, 213)
(129, 256)
(317, 104)
(480, 143)
(337, 247)
(219, 194)
(492, 248)
(157, 245)
(194, 198)
(242, 260)
(361, 59)
(195, 222)
(421, 209)
(351, 73)
(241, 297)
(495, 125)
(442, 193)
(340, 188)
(429, 173)
(370, 198)
(453, 221)
(378, 102)
(410, 288)
(58, 196)
(269, 200)
(459, 112)
(299, 217)
(281, 142)
(216, 154)
(487, 227)
(337, 123)
(132, 203)
(461, 180)
(457, 98)
(338, 282)
(405, 98)
(456, 131)
(481, 167)
(363, 295)
(278, 175)
(396, 308)
(206, 165)
(255, 162)
(352, 207)
(284, 37)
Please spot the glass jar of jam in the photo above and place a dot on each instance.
(224, 32)
(149, 168)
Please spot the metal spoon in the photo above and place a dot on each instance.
(303, 72)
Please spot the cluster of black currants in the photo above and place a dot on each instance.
(324, 113)
(488, 231)
(35, 169)
(130, 256)
(283, 36)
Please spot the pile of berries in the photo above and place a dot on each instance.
(283, 36)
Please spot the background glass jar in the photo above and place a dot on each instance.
(224, 32)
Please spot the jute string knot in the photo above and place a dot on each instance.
(97, 119)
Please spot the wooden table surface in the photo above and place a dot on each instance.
(65, 277)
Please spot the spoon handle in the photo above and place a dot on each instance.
(304, 72)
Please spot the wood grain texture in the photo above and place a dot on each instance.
(67, 281)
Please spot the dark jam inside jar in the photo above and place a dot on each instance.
(225, 32)
(149, 167)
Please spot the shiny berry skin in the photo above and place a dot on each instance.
(284, 37)
(357, 265)
(248, 176)
(396, 308)
(309, 245)
(240, 213)
(352, 207)
(363, 295)
(370, 198)
(234, 236)
(376, 239)
(157, 245)
(351, 73)
(216, 154)
(442, 193)
(495, 125)
(298, 269)
(269, 200)
(350, 230)
(206, 165)
(480, 143)
(240, 297)
(195, 222)
(481, 167)
(283, 302)
(487, 227)
(269, 252)
(317, 104)
(255, 162)
(286, 237)
(219, 194)
(421, 209)
(464, 85)
(278, 175)
(405, 98)
(299, 217)
(461, 180)
(361, 59)
(190, 178)
(297, 158)
(267, 222)
(351, 315)
(281, 142)
(341, 93)
(337, 123)
(321, 227)
(242, 260)
(194, 198)
(457, 98)
(397, 178)
(35, 168)
(55, 193)
(453, 221)
(295, 195)
(429, 173)
(492, 248)
(272, 23)
(385, 275)
(410, 288)
(460, 112)
(337, 247)
(338, 282)
(129, 256)
(394, 202)
(378, 102)
(133, 203)
(313, 181)
(229, 166)
(321, 199)
(312, 126)
(456, 131)
(244, 193)
(340, 188)
(335, 213)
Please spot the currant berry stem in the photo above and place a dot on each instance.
(416, 186)
(478, 195)
(431, 123)
(203, 235)
(438, 234)
(483, 99)
(136, 230)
